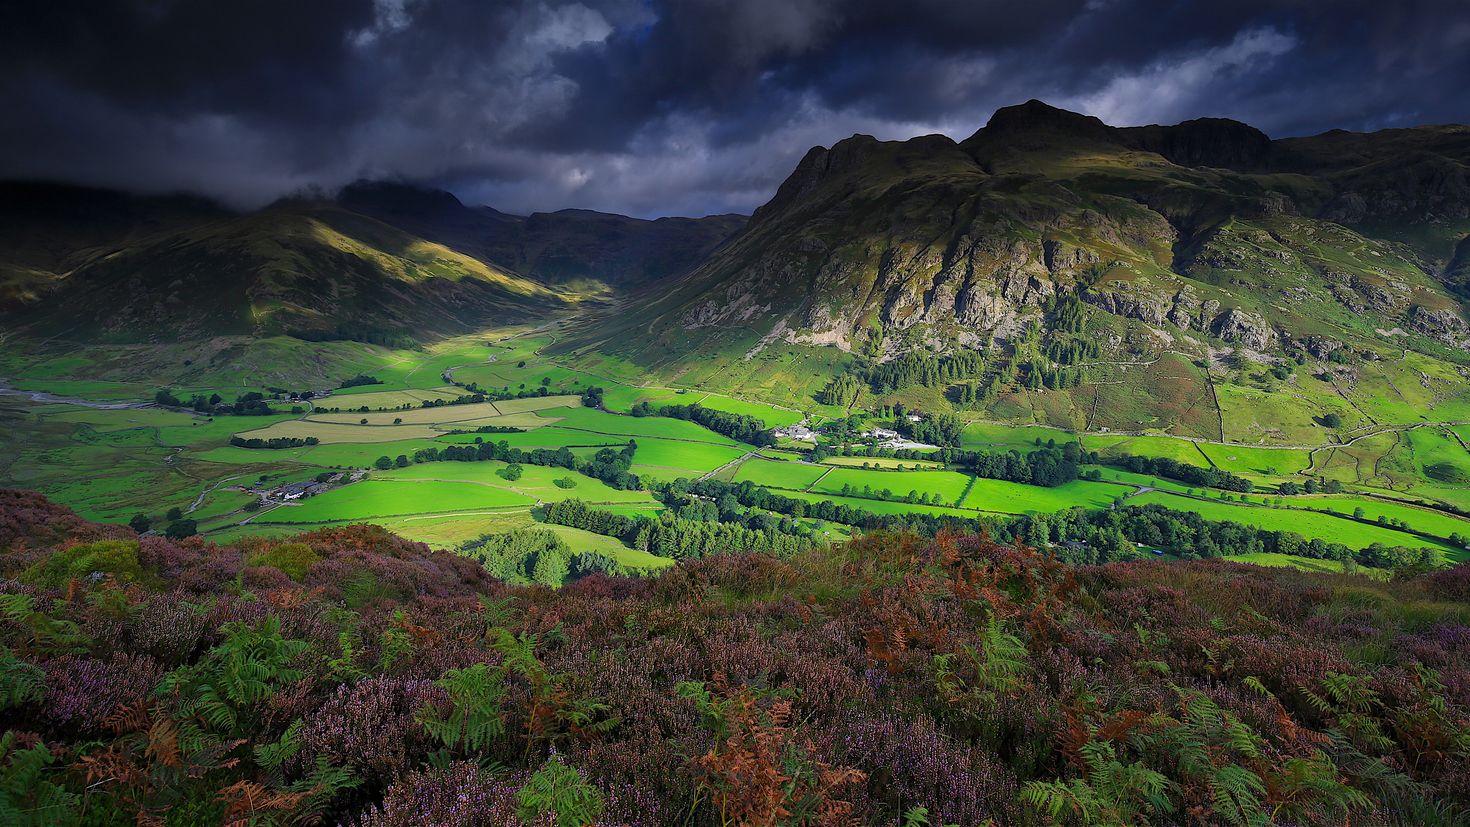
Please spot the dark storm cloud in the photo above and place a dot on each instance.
(664, 106)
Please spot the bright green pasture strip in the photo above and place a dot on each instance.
(1421, 519)
(386, 498)
(947, 484)
(1249, 459)
(989, 436)
(1145, 446)
(1144, 480)
(341, 433)
(773, 416)
(327, 456)
(596, 421)
(881, 462)
(691, 456)
(536, 480)
(1309, 524)
(622, 398)
(881, 506)
(387, 399)
(1016, 498)
(418, 416)
(777, 474)
(1274, 560)
(538, 403)
(549, 436)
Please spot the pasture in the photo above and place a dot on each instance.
(372, 498)
(600, 422)
(1016, 498)
(1309, 524)
(778, 474)
(949, 485)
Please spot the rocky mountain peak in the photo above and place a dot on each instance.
(1205, 142)
(1037, 116)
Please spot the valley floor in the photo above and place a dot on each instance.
(78, 427)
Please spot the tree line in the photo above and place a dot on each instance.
(742, 427)
(274, 442)
(609, 464)
(690, 529)
(247, 404)
(1183, 471)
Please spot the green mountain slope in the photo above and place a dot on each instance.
(85, 264)
(1207, 239)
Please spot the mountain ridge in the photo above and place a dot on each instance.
(103, 264)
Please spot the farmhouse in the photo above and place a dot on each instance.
(798, 431)
(297, 490)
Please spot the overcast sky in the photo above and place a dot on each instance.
(661, 107)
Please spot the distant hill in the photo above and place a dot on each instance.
(382, 261)
(563, 246)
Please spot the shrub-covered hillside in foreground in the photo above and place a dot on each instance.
(349, 676)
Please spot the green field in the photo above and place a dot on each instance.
(385, 498)
(600, 422)
(1350, 533)
(685, 456)
(886, 463)
(110, 464)
(1271, 559)
(949, 485)
(778, 474)
(1015, 498)
(536, 481)
(988, 436)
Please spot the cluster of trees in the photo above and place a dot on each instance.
(1048, 465)
(868, 492)
(536, 556)
(609, 464)
(274, 442)
(743, 427)
(975, 394)
(360, 380)
(1085, 537)
(939, 429)
(177, 529)
(396, 339)
(578, 514)
(1038, 374)
(668, 535)
(1310, 487)
(841, 390)
(1069, 351)
(489, 429)
(926, 369)
(248, 404)
(592, 397)
(1184, 472)
(753, 496)
(690, 529)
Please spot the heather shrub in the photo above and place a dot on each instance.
(897, 680)
(370, 726)
(461, 794)
(83, 692)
